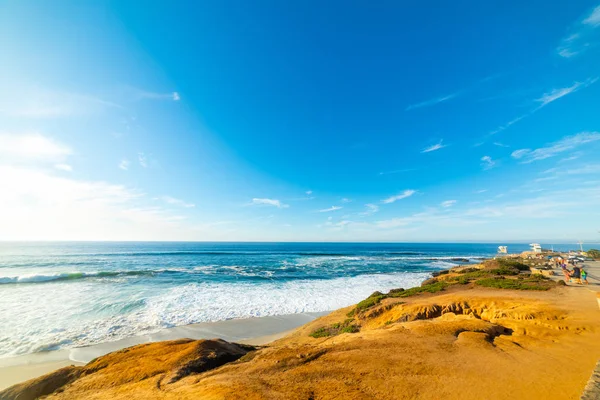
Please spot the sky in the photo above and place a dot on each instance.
(300, 121)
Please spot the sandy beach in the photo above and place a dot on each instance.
(254, 331)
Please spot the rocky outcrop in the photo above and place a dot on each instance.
(164, 363)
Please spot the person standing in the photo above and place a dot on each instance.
(583, 275)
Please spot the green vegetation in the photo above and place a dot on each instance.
(370, 301)
(595, 254)
(430, 288)
(501, 273)
(511, 262)
(515, 284)
(468, 270)
(335, 329)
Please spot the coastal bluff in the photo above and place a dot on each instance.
(490, 331)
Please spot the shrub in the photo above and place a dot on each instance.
(429, 281)
(511, 284)
(369, 302)
(595, 254)
(510, 262)
(432, 288)
(468, 270)
(335, 329)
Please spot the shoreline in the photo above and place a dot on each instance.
(254, 331)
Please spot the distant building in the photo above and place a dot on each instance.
(536, 247)
(502, 249)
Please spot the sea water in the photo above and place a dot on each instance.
(68, 294)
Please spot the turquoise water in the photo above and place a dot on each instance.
(60, 295)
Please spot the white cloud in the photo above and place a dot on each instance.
(269, 202)
(143, 160)
(370, 209)
(400, 196)
(308, 192)
(508, 124)
(480, 191)
(64, 167)
(433, 102)
(487, 162)
(37, 205)
(500, 144)
(434, 147)
(143, 94)
(520, 153)
(346, 200)
(332, 208)
(582, 37)
(31, 147)
(176, 202)
(546, 99)
(124, 164)
(556, 94)
(448, 203)
(594, 18)
(553, 149)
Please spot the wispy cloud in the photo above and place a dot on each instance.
(556, 94)
(346, 200)
(487, 162)
(332, 208)
(143, 94)
(269, 202)
(143, 160)
(434, 147)
(508, 124)
(176, 202)
(448, 203)
(124, 164)
(400, 196)
(582, 36)
(397, 171)
(546, 99)
(480, 191)
(370, 209)
(500, 144)
(31, 146)
(308, 192)
(40, 103)
(553, 149)
(433, 102)
(64, 167)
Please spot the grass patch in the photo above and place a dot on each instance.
(515, 284)
(335, 329)
(468, 270)
(369, 302)
(431, 288)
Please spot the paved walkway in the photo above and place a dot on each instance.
(592, 390)
(593, 270)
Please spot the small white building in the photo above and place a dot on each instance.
(502, 249)
(536, 247)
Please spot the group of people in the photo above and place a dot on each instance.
(577, 273)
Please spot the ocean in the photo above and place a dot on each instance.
(70, 294)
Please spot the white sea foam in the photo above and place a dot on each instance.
(67, 319)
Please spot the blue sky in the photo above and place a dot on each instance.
(285, 121)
